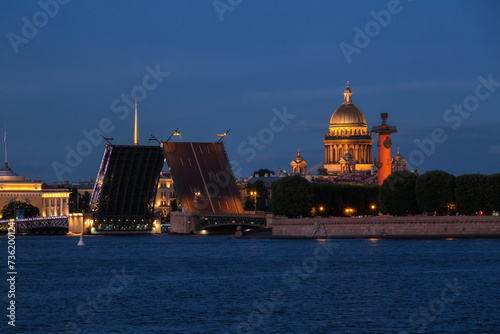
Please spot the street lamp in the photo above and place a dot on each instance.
(373, 210)
(254, 194)
(196, 194)
(321, 210)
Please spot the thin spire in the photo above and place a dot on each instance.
(136, 126)
(298, 153)
(347, 83)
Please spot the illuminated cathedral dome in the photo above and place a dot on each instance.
(348, 113)
(348, 144)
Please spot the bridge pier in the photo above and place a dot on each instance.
(182, 222)
(79, 223)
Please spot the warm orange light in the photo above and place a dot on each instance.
(57, 195)
(373, 207)
(321, 208)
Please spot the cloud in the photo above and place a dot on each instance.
(329, 92)
(495, 149)
(417, 85)
(296, 94)
(310, 126)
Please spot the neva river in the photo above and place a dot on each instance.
(216, 284)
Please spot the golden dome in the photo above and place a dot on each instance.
(298, 158)
(348, 114)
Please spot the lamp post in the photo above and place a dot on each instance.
(196, 194)
(321, 211)
(254, 194)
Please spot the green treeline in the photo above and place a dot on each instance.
(402, 193)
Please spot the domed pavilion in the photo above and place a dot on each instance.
(299, 165)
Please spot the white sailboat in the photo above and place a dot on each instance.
(81, 243)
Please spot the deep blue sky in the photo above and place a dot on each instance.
(231, 74)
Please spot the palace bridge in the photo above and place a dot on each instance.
(37, 225)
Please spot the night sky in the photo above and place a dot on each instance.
(271, 71)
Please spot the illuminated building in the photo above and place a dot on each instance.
(49, 200)
(299, 165)
(164, 194)
(398, 162)
(348, 144)
(13, 187)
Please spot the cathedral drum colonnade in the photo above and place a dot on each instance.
(348, 144)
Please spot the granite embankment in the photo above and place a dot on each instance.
(386, 226)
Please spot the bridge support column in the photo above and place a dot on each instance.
(182, 223)
(76, 224)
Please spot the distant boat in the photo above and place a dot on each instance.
(81, 243)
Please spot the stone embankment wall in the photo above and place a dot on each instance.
(382, 226)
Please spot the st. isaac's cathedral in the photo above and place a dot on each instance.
(348, 147)
(348, 144)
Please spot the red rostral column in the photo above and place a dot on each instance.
(384, 144)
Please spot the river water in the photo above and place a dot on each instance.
(217, 284)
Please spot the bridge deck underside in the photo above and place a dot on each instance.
(203, 168)
(123, 198)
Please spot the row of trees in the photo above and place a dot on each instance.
(19, 209)
(440, 192)
(79, 203)
(402, 193)
(294, 196)
(258, 196)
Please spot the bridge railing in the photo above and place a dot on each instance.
(26, 224)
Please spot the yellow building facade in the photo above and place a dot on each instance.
(49, 200)
(164, 194)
